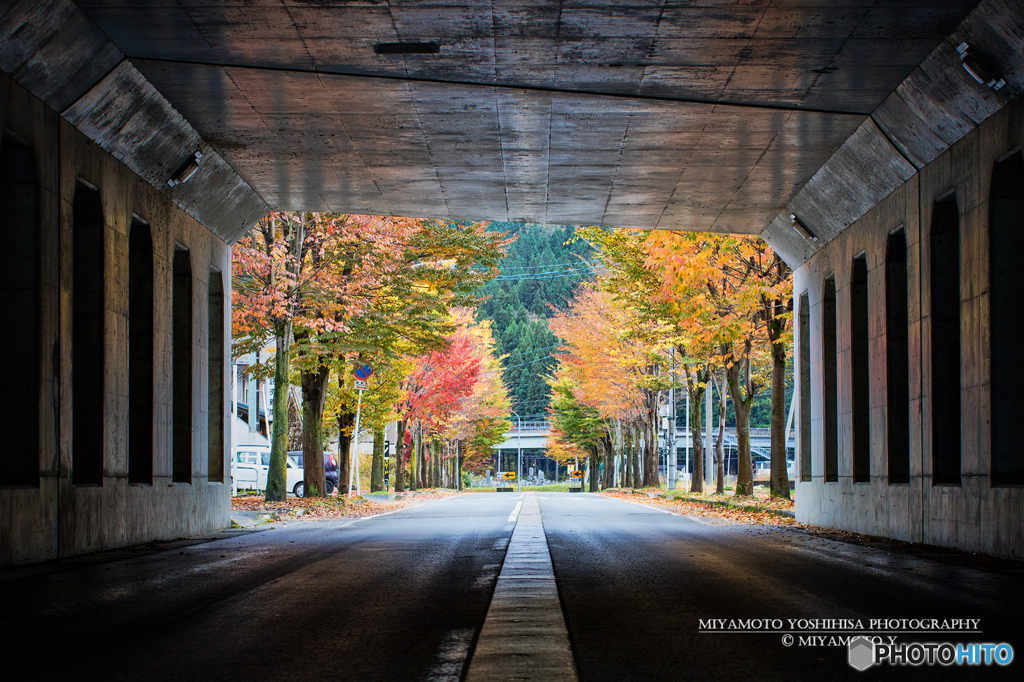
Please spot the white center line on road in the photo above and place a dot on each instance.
(515, 512)
(524, 635)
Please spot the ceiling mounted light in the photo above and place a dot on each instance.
(186, 172)
(406, 48)
(978, 67)
(801, 228)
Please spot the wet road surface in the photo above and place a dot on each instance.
(405, 596)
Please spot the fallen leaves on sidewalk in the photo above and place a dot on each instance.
(335, 506)
(754, 510)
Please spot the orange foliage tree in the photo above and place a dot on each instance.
(607, 370)
(732, 293)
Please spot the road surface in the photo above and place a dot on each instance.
(544, 586)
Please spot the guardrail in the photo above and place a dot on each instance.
(531, 426)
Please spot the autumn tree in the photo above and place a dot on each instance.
(607, 369)
(481, 418)
(730, 291)
(636, 288)
(344, 289)
(431, 394)
(575, 423)
(272, 279)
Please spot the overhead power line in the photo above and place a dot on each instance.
(521, 364)
(581, 261)
(538, 350)
(548, 275)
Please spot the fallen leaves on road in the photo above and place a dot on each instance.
(725, 508)
(335, 506)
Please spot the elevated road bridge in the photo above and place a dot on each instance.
(874, 145)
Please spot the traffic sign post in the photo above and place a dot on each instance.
(506, 481)
(576, 481)
(362, 373)
(387, 463)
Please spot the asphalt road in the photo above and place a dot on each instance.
(404, 597)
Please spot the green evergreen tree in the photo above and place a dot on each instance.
(543, 267)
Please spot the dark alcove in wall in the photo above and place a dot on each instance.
(19, 347)
(87, 343)
(945, 337)
(140, 354)
(1006, 225)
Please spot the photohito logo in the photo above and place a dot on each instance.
(862, 653)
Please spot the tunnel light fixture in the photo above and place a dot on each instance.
(979, 67)
(804, 231)
(406, 48)
(188, 169)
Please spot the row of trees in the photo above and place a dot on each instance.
(717, 308)
(333, 292)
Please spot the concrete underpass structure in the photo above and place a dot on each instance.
(850, 136)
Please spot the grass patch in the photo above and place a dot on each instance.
(762, 510)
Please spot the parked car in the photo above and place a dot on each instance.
(251, 465)
(331, 470)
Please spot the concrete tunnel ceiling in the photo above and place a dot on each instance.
(623, 114)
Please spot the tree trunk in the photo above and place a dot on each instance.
(623, 460)
(608, 455)
(650, 426)
(697, 472)
(618, 455)
(435, 465)
(624, 479)
(635, 459)
(400, 458)
(346, 421)
(414, 456)
(377, 464)
(423, 459)
(277, 476)
(744, 473)
(314, 395)
(720, 446)
(458, 465)
(780, 477)
(428, 464)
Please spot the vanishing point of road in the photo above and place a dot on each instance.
(541, 586)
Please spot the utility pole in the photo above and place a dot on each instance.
(519, 455)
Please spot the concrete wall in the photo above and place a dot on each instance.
(56, 518)
(975, 515)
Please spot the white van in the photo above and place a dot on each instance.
(251, 465)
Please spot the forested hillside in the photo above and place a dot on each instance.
(539, 273)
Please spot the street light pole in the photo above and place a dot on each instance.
(519, 456)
